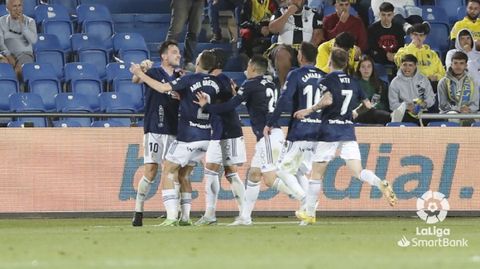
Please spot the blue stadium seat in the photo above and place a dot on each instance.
(450, 7)
(124, 22)
(41, 79)
(227, 47)
(381, 72)
(70, 5)
(22, 102)
(50, 11)
(130, 47)
(116, 102)
(434, 14)
(29, 7)
(443, 124)
(90, 50)
(83, 79)
(476, 124)
(238, 77)
(8, 85)
(135, 91)
(96, 20)
(48, 50)
(109, 123)
(22, 122)
(153, 27)
(401, 124)
(461, 12)
(66, 123)
(3, 10)
(69, 102)
(235, 64)
(63, 29)
(118, 71)
(140, 6)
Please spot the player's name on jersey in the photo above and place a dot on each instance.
(308, 120)
(198, 125)
(340, 122)
(308, 76)
(203, 83)
(344, 79)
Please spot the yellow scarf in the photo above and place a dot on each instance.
(260, 10)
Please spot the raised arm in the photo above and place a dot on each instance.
(230, 105)
(136, 70)
(325, 100)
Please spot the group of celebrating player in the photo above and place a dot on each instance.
(320, 124)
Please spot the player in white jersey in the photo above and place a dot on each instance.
(337, 132)
(194, 128)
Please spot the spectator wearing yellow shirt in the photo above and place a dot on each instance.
(344, 41)
(470, 22)
(429, 63)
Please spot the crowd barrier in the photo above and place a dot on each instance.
(97, 170)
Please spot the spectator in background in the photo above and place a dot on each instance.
(254, 32)
(429, 63)
(186, 12)
(344, 41)
(297, 23)
(375, 90)
(399, 7)
(283, 59)
(410, 92)
(342, 21)
(18, 33)
(458, 91)
(470, 22)
(465, 43)
(385, 37)
(214, 7)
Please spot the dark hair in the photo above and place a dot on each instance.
(207, 60)
(378, 85)
(409, 58)
(260, 63)
(421, 28)
(345, 40)
(387, 7)
(460, 55)
(220, 57)
(309, 51)
(339, 58)
(163, 48)
(465, 32)
(474, 1)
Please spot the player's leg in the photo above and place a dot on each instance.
(154, 147)
(234, 154)
(236, 185)
(287, 168)
(251, 194)
(185, 194)
(169, 193)
(351, 154)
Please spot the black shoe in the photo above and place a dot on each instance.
(217, 38)
(137, 219)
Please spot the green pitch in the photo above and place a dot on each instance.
(271, 243)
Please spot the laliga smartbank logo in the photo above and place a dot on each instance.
(432, 208)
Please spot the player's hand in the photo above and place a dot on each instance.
(146, 65)
(202, 99)
(302, 113)
(135, 69)
(267, 130)
(354, 114)
(175, 95)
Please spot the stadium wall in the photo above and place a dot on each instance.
(75, 170)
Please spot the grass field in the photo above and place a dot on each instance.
(270, 243)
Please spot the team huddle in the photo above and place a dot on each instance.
(209, 126)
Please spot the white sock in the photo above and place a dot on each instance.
(314, 187)
(176, 186)
(143, 188)
(302, 180)
(251, 195)
(280, 186)
(238, 189)
(170, 200)
(370, 177)
(292, 183)
(212, 187)
(186, 205)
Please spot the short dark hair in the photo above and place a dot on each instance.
(409, 58)
(339, 58)
(309, 51)
(220, 57)
(421, 28)
(207, 60)
(345, 40)
(460, 55)
(163, 48)
(474, 1)
(260, 63)
(387, 7)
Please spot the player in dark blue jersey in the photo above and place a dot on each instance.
(161, 121)
(337, 91)
(257, 91)
(301, 90)
(194, 128)
(227, 148)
